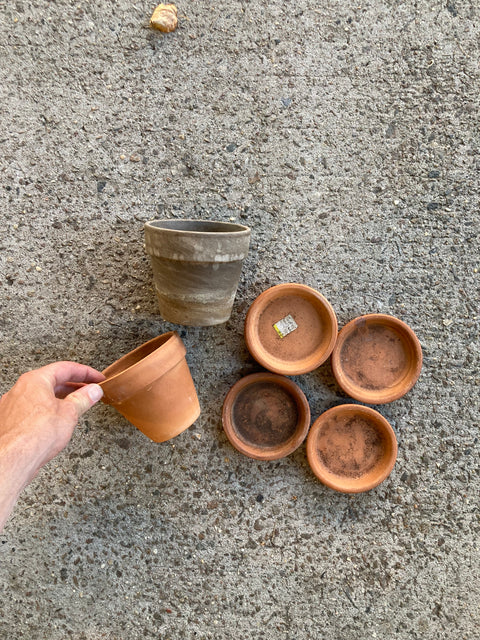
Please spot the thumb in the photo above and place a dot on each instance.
(85, 398)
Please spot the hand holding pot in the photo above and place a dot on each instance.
(37, 419)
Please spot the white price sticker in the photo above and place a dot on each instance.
(285, 326)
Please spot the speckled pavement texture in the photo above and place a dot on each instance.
(346, 135)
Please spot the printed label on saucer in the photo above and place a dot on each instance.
(285, 326)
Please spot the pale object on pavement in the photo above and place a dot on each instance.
(164, 18)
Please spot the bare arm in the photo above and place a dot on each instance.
(37, 419)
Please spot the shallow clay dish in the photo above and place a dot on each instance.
(290, 329)
(266, 416)
(351, 448)
(377, 358)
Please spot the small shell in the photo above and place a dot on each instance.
(164, 18)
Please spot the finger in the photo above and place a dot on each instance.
(63, 390)
(83, 399)
(60, 372)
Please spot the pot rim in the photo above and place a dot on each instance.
(336, 482)
(275, 452)
(231, 228)
(381, 396)
(267, 360)
(158, 360)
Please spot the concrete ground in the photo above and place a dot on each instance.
(345, 134)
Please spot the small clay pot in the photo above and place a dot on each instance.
(196, 268)
(266, 416)
(351, 448)
(290, 329)
(377, 358)
(152, 388)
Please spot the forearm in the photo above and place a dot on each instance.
(17, 468)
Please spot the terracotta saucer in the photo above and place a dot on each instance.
(290, 329)
(266, 416)
(351, 448)
(377, 358)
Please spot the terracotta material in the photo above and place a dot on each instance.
(351, 448)
(377, 358)
(196, 268)
(152, 387)
(291, 329)
(266, 416)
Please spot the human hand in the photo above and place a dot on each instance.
(37, 419)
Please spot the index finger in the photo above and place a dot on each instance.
(60, 372)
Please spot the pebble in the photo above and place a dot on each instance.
(164, 18)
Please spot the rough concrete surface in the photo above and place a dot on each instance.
(345, 133)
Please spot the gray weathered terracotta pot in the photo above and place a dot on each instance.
(196, 268)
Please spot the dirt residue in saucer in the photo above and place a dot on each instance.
(374, 357)
(265, 415)
(350, 446)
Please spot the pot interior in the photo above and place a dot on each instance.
(378, 356)
(265, 415)
(135, 356)
(198, 226)
(351, 446)
(354, 449)
(309, 327)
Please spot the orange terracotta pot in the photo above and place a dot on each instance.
(351, 448)
(290, 329)
(377, 358)
(266, 416)
(152, 388)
